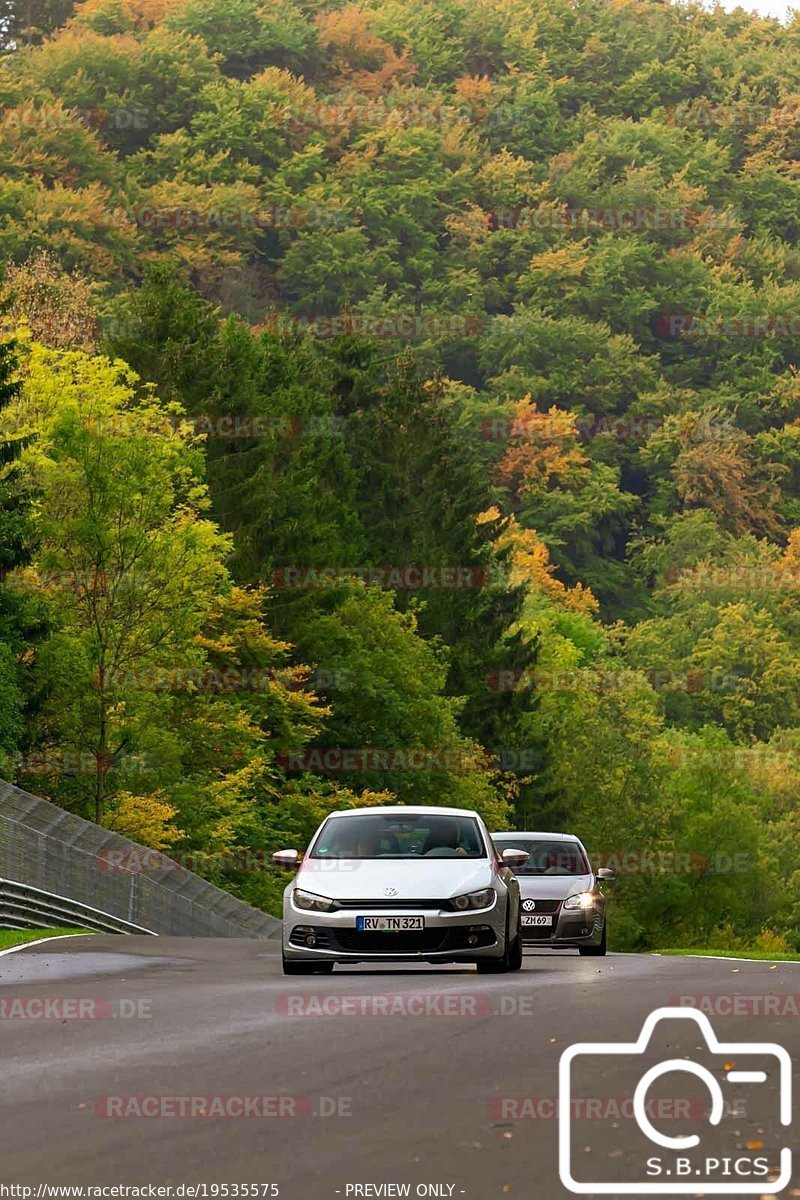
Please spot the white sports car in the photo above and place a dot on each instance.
(410, 884)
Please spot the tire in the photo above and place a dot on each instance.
(515, 953)
(598, 950)
(511, 960)
(291, 967)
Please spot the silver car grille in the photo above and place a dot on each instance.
(383, 902)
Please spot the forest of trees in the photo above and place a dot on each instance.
(400, 400)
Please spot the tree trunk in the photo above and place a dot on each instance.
(102, 754)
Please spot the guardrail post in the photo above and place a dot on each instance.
(41, 853)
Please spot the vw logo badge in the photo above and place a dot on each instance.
(529, 905)
(390, 891)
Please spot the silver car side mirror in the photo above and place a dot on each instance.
(514, 858)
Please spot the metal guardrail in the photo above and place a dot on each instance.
(57, 869)
(24, 907)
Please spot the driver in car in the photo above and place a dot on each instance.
(443, 842)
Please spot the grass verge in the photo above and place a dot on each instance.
(18, 937)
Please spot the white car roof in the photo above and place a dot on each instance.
(405, 810)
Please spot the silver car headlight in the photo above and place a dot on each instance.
(581, 900)
(485, 898)
(311, 902)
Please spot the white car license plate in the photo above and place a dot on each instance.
(536, 920)
(390, 924)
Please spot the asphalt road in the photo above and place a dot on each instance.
(415, 1077)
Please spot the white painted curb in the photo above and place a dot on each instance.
(41, 941)
(780, 962)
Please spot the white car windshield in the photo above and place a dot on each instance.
(377, 835)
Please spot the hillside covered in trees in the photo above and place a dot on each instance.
(400, 399)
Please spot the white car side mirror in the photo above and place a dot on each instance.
(289, 859)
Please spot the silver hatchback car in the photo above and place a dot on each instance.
(410, 884)
(562, 904)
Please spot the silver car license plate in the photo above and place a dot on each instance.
(536, 920)
(390, 924)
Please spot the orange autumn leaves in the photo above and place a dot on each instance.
(361, 60)
(542, 448)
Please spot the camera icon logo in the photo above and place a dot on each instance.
(684, 1166)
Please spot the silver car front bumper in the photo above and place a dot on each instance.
(580, 927)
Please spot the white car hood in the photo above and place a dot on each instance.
(412, 879)
(553, 887)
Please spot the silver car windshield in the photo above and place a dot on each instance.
(547, 857)
(377, 835)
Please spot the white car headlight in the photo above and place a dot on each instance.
(482, 899)
(311, 902)
(581, 900)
